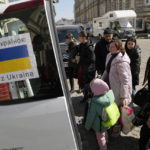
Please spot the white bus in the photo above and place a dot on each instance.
(35, 108)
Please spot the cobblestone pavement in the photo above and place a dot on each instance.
(124, 142)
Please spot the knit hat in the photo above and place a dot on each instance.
(98, 87)
(108, 31)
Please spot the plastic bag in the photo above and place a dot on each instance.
(127, 115)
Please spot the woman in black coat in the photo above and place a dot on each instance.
(134, 53)
(71, 50)
(86, 59)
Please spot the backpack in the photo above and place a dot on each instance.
(110, 115)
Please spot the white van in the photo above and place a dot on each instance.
(121, 21)
(35, 108)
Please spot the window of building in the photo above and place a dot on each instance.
(111, 15)
(100, 24)
(147, 2)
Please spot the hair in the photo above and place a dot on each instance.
(83, 34)
(70, 36)
(119, 45)
(132, 39)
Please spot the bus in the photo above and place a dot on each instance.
(35, 106)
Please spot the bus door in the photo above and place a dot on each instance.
(35, 108)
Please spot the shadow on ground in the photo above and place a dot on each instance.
(88, 138)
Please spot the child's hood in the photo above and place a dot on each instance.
(105, 99)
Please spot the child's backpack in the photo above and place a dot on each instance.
(110, 115)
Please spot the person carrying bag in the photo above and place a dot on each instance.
(143, 95)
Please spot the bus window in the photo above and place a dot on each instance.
(27, 45)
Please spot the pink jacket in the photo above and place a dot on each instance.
(120, 77)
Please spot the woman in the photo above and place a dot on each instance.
(134, 53)
(86, 61)
(118, 74)
(70, 50)
(86, 73)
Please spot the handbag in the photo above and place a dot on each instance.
(142, 96)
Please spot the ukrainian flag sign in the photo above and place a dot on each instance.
(17, 60)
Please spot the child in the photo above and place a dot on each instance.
(134, 53)
(143, 117)
(102, 97)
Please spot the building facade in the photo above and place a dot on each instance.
(143, 14)
(64, 21)
(3, 1)
(86, 10)
(7, 1)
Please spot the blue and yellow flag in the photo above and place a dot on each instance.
(14, 59)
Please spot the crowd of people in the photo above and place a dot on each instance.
(118, 69)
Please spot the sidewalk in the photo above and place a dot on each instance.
(124, 142)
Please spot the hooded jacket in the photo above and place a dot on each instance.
(101, 51)
(95, 111)
(87, 62)
(135, 57)
(71, 50)
(120, 77)
(87, 57)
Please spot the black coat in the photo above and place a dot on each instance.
(87, 62)
(101, 51)
(135, 57)
(147, 74)
(71, 50)
(144, 113)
